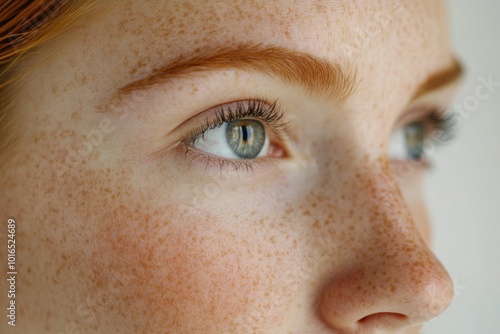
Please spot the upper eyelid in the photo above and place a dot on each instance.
(272, 114)
(276, 121)
(435, 121)
(191, 127)
(439, 98)
(418, 113)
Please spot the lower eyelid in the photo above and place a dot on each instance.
(192, 156)
(403, 169)
(274, 152)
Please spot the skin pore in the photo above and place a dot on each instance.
(123, 228)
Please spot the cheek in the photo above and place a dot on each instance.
(108, 257)
(153, 266)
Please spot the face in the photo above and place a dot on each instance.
(232, 167)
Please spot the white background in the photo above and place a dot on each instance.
(464, 188)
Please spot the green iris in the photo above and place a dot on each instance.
(414, 140)
(246, 138)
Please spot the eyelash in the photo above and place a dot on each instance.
(439, 125)
(439, 129)
(271, 115)
(442, 123)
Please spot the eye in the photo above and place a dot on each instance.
(240, 131)
(411, 141)
(240, 139)
(407, 142)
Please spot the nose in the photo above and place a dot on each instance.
(393, 281)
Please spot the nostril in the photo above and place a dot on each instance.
(383, 319)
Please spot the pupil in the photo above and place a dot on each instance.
(244, 133)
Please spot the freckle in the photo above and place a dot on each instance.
(75, 116)
(55, 89)
(316, 224)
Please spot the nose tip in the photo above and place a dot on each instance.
(389, 280)
(397, 293)
(433, 292)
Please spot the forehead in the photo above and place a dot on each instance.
(387, 38)
(339, 25)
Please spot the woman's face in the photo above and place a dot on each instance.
(158, 191)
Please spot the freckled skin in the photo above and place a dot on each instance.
(324, 243)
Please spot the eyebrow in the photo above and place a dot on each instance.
(317, 75)
(440, 79)
(298, 68)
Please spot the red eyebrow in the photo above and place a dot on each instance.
(318, 75)
(315, 74)
(440, 79)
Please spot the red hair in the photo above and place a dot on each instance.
(26, 25)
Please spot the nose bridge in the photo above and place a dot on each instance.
(388, 217)
(369, 210)
(387, 235)
(383, 214)
(386, 222)
(391, 272)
